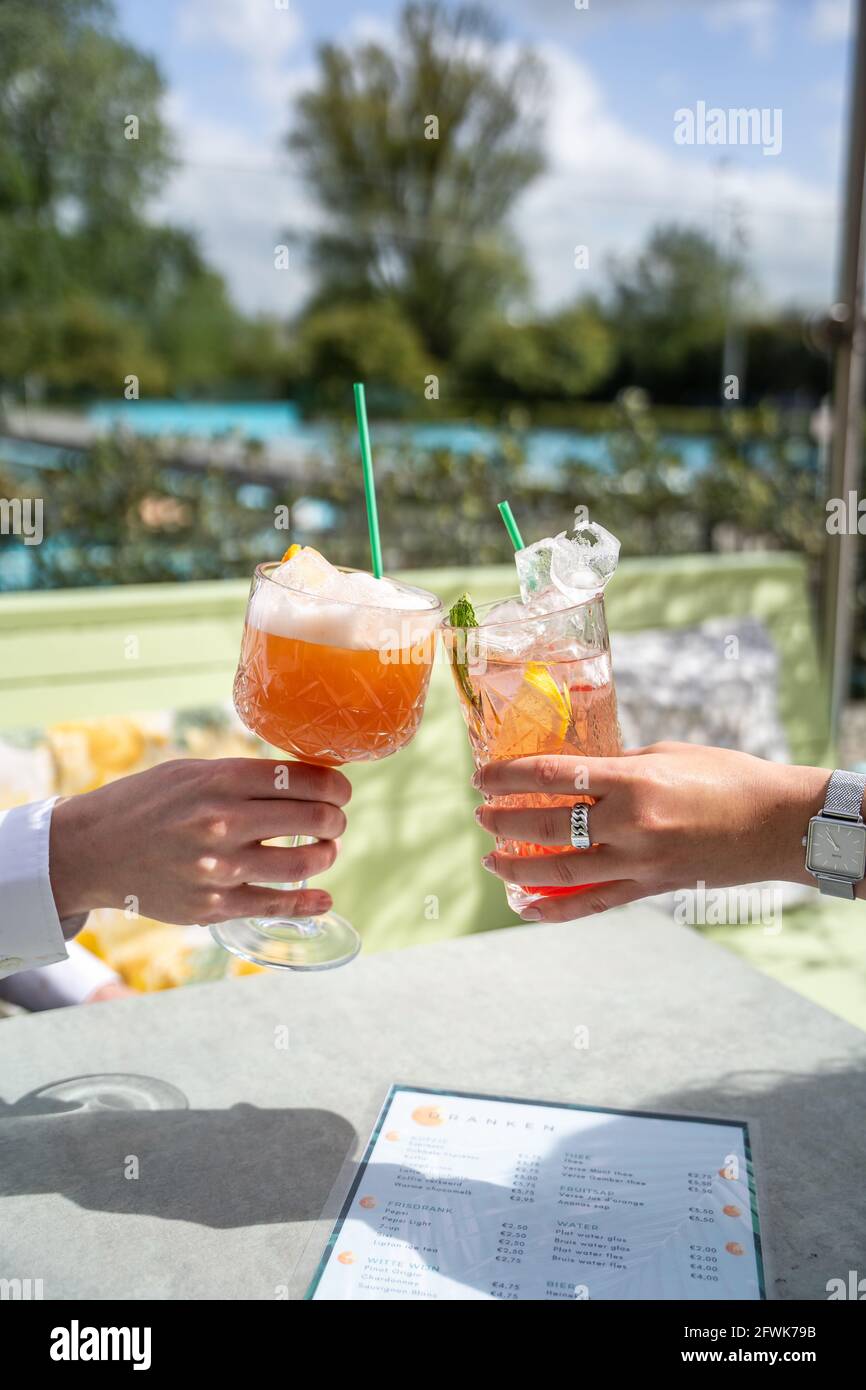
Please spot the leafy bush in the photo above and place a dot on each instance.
(126, 511)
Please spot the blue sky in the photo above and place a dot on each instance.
(618, 70)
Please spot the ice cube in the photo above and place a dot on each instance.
(307, 570)
(506, 633)
(575, 567)
(590, 550)
(357, 589)
(533, 568)
(510, 610)
(366, 589)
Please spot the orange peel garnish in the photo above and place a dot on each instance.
(290, 553)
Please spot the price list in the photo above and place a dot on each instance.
(480, 1197)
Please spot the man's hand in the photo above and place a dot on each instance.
(182, 842)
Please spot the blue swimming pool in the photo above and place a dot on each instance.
(260, 420)
(275, 422)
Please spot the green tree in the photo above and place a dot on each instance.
(668, 309)
(416, 156)
(561, 356)
(782, 362)
(68, 83)
(89, 289)
(373, 342)
(81, 343)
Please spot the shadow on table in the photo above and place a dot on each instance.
(806, 1132)
(243, 1166)
(248, 1166)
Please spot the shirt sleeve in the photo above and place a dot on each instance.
(31, 933)
(55, 986)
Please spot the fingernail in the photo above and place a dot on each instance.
(476, 780)
(478, 811)
(320, 903)
(489, 862)
(531, 914)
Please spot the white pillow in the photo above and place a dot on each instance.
(715, 684)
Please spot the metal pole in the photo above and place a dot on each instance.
(840, 572)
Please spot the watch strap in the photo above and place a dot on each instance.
(835, 887)
(844, 795)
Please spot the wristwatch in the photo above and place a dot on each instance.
(836, 839)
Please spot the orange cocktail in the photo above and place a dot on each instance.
(332, 704)
(334, 669)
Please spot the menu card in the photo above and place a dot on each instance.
(478, 1197)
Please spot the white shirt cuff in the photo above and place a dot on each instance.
(30, 931)
(56, 986)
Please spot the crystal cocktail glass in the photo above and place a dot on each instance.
(535, 683)
(330, 682)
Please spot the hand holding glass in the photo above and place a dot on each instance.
(329, 680)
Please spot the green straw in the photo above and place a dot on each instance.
(369, 481)
(511, 525)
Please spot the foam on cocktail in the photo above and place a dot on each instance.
(310, 600)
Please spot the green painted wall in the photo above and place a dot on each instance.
(75, 653)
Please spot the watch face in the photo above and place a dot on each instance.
(835, 848)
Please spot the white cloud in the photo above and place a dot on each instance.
(239, 195)
(606, 186)
(757, 18)
(368, 28)
(259, 34)
(832, 20)
(234, 186)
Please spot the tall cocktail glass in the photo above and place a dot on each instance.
(534, 682)
(330, 682)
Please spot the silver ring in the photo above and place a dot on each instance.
(580, 836)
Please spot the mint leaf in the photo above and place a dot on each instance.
(462, 615)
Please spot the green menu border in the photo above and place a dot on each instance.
(399, 1086)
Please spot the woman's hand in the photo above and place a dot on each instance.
(182, 842)
(665, 817)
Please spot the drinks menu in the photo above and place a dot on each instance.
(478, 1197)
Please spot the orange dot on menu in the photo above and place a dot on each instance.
(392, 1135)
(428, 1115)
(367, 1202)
(346, 1257)
(732, 1211)
(725, 1173)
(734, 1247)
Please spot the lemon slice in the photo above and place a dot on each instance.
(536, 720)
(539, 677)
